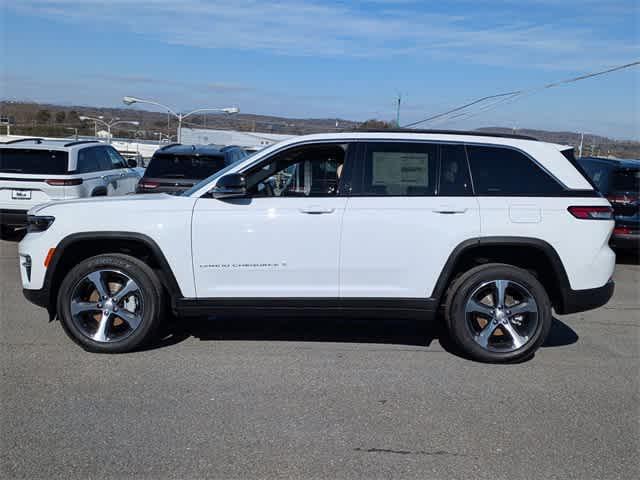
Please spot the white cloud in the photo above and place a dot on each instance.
(311, 28)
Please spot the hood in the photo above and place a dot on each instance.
(125, 201)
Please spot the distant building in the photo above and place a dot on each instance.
(246, 140)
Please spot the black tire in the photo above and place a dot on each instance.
(457, 321)
(150, 289)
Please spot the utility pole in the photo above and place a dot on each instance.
(581, 143)
(399, 102)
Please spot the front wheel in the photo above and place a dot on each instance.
(498, 313)
(110, 303)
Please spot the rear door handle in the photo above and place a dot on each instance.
(316, 210)
(446, 210)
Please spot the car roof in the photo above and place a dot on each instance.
(63, 144)
(208, 150)
(617, 162)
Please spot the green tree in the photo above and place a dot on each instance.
(61, 116)
(374, 124)
(43, 116)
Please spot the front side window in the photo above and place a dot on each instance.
(116, 159)
(399, 169)
(308, 171)
(501, 171)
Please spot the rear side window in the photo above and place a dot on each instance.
(399, 169)
(164, 165)
(454, 172)
(37, 162)
(93, 159)
(503, 171)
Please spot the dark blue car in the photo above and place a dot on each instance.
(619, 181)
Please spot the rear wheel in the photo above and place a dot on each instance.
(110, 303)
(498, 313)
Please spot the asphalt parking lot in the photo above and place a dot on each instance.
(250, 398)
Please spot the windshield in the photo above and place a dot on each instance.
(38, 162)
(165, 165)
(211, 178)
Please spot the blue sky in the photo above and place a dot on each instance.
(306, 58)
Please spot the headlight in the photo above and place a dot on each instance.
(36, 223)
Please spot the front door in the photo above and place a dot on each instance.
(281, 240)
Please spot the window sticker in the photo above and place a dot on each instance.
(400, 168)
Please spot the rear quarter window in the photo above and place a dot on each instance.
(33, 161)
(498, 171)
(627, 180)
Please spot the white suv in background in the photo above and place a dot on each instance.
(489, 233)
(35, 171)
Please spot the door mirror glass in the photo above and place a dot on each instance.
(229, 186)
(132, 163)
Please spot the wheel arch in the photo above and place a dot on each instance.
(532, 254)
(79, 246)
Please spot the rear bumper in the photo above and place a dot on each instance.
(626, 241)
(13, 218)
(582, 300)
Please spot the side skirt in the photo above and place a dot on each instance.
(370, 307)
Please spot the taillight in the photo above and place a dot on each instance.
(622, 231)
(54, 182)
(149, 185)
(622, 199)
(592, 213)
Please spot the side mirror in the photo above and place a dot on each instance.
(132, 163)
(230, 186)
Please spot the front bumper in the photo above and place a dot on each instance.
(38, 297)
(582, 300)
(13, 218)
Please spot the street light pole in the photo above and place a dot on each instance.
(180, 116)
(112, 123)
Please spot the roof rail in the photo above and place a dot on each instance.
(474, 133)
(19, 140)
(226, 147)
(169, 146)
(80, 142)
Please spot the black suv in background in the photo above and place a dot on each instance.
(619, 181)
(175, 168)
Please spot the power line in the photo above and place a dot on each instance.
(512, 96)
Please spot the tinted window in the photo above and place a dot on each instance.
(599, 173)
(504, 171)
(399, 169)
(454, 172)
(88, 161)
(166, 165)
(116, 159)
(626, 180)
(311, 171)
(39, 162)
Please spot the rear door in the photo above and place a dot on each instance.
(398, 231)
(28, 177)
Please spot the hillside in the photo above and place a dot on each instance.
(58, 120)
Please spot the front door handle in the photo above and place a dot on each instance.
(316, 210)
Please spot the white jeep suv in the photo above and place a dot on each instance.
(35, 171)
(487, 232)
